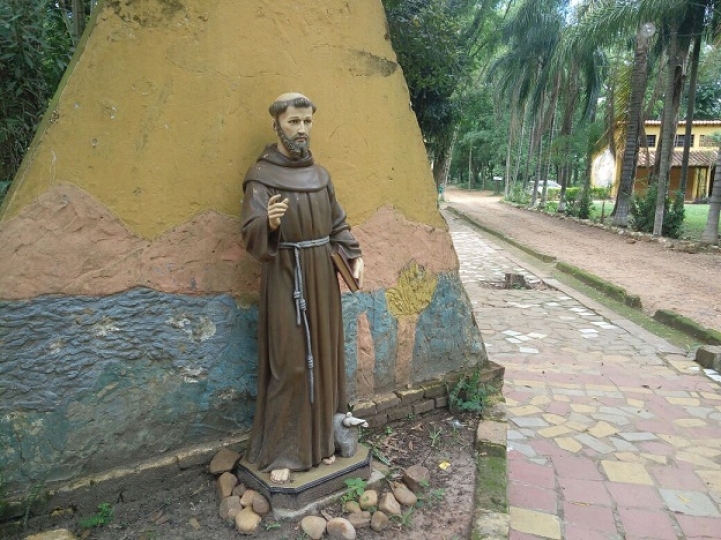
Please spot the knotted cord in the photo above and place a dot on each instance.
(300, 305)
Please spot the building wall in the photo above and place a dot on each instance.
(699, 130)
(128, 306)
(698, 182)
(699, 178)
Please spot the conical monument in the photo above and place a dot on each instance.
(128, 305)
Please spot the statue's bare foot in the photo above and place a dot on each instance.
(329, 460)
(280, 476)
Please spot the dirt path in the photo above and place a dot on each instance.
(689, 284)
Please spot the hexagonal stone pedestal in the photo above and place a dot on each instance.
(309, 488)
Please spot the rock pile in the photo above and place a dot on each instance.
(372, 509)
(245, 507)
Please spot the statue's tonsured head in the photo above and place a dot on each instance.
(289, 99)
(292, 121)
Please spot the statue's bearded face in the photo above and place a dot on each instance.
(293, 129)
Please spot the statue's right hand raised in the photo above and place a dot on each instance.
(276, 210)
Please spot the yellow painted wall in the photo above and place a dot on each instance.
(166, 108)
(698, 130)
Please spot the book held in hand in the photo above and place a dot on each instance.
(342, 265)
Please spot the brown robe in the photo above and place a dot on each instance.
(289, 432)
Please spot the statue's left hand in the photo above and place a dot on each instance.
(358, 268)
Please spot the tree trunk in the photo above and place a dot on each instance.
(710, 233)
(512, 127)
(566, 132)
(695, 55)
(443, 164)
(630, 152)
(538, 150)
(78, 19)
(533, 119)
(552, 111)
(517, 167)
(672, 100)
(470, 166)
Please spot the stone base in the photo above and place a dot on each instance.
(306, 488)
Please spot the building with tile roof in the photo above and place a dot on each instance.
(702, 160)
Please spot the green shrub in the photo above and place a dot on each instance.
(585, 204)
(469, 394)
(579, 202)
(102, 517)
(643, 213)
(600, 193)
(673, 218)
(518, 195)
(571, 195)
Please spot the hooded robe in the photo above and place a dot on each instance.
(288, 431)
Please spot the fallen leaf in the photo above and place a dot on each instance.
(444, 465)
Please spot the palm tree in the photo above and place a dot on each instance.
(532, 34)
(668, 126)
(603, 24)
(691, 101)
(706, 22)
(710, 233)
(639, 79)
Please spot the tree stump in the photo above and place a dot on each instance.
(515, 281)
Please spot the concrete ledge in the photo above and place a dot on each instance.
(709, 357)
(491, 438)
(609, 289)
(687, 326)
(491, 526)
(491, 520)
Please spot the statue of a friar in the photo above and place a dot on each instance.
(292, 223)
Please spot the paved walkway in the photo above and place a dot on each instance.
(613, 433)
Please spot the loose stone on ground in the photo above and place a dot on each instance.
(371, 510)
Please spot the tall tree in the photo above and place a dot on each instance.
(526, 75)
(37, 40)
(35, 49)
(710, 233)
(633, 124)
(690, 104)
(436, 42)
(668, 127)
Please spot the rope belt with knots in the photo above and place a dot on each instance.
(300, 307)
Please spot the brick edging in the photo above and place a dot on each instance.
(420, 398)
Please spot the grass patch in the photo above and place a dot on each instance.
(692, 328)
(673, 336)
(491, 483)
(694, 221)
(101, 518)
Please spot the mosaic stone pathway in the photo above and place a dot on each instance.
(612, 432)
